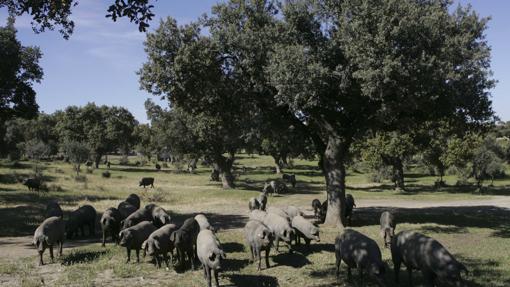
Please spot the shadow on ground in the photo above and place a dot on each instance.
(412, 189)
(253, 280)
(81, 256)
(456, 218)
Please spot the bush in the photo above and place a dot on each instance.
(106, 174)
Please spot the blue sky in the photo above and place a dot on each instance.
(99, 61)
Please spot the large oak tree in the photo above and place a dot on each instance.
(357, 65)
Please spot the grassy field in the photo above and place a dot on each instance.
(479, 236)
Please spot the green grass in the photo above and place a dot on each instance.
(478, 236)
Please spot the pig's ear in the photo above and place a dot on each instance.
(223, 255)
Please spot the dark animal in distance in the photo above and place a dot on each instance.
(420, 252)
(146, 181)
(32, 184)
(158, 167)
(274, 187)
(359, 251)
(78, 219)
(290, 178)
(50, 232)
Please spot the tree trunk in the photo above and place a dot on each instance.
(334, 168)
(97, 159)
(398, 171)
(441, 175)
(278, 164)
(283, 160)
(224, 166)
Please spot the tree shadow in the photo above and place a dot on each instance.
(414, 188)
(253, 280)
(229, 247)
(81, 256)
(20, 220)
(294, 259)
(219, 221)
(458, 216)
(443, 229)
(235, 264)
(28, 209)
(10, 178)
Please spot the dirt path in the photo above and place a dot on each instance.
(16, 247)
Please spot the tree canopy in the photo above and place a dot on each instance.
(51, 14)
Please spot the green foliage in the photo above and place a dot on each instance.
(77, 153)
(143, 134)
(18, 71)
(36, 150)
(475, 156)
(49, 14)
(385, 148)
(461, 151)
(104, 129)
